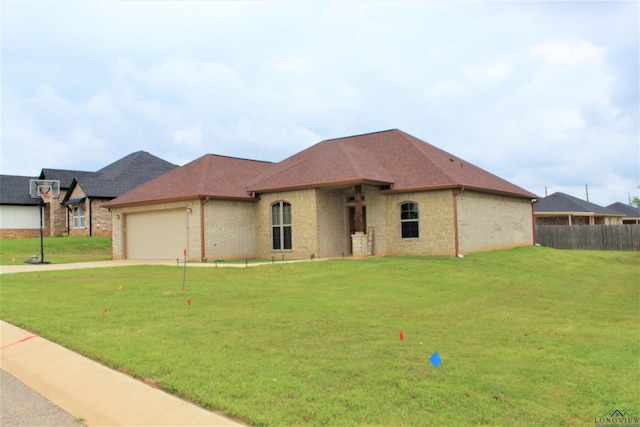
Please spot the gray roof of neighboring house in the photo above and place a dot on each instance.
(123, 175)
(560, 202)
(627, 210)
(65, 176)
(14, 190)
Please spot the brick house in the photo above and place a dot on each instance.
(383, 193)
(79, 211)
(563, 209)
(76, 212)
(631, 213)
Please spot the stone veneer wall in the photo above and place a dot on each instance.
(437, 231)
(304, 221)
(332, 222)
(489, 222)
(229, 230)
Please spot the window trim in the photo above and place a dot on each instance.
(415, 220)
(284, 228)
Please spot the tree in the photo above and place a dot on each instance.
(635, 202)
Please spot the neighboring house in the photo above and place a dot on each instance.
(19, 213)
(56, 220)
(75, 213)
(383, 193)
(87, 192)
(631, 213)
(563, 209)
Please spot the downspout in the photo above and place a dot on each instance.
(533, 220)
(202, 242)
(456, 193)
(90, 219)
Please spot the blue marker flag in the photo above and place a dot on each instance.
(435, 359)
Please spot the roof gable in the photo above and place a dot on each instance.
(208, 176)
(560, 202)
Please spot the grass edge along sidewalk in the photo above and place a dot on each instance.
(528, 336)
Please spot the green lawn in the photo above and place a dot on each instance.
(58, 250)
(531, 336)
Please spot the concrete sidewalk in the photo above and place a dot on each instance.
(28, 268)
(97, 395)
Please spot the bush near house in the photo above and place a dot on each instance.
(531, 336)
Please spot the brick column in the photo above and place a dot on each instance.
(359, 244)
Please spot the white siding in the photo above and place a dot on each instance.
(20, 217)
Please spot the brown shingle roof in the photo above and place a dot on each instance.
(208, 176)
(391, 157)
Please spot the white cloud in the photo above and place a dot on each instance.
(491, 73)
(190, 136)
(578, 53)
(542, 92)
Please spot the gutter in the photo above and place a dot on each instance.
(533, 220)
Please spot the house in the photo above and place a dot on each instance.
(383, 193)
(87, 192)
(19, 213)
(55, 219)
(563, 209)
(76, 211)
(631, 213)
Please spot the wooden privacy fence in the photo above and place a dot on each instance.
(598, 237)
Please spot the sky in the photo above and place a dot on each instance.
(543, 94)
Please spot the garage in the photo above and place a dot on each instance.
(156, 235)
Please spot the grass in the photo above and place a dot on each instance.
(531, 336)
(59, 250)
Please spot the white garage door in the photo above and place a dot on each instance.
(156, 235)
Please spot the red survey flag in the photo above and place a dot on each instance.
(401, 335)
(189, 302)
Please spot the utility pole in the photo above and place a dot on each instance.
(586, 189)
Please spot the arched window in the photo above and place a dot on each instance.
(281, 225)
(409, 222)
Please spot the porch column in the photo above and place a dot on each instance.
(359, 217)
(359, 238)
